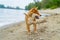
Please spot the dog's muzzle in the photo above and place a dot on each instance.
(40, 15)
(36, 17)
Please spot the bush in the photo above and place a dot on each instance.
(44, 4)
(53, 7)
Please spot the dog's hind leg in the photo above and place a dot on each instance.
(27, 25)
(28, 29)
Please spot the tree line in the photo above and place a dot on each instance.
(9, 7)
(44, 4)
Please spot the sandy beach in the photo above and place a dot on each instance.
(49, 30)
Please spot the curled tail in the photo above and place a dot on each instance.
(25, 14)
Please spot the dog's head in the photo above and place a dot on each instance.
(35, 16)
(35, 11)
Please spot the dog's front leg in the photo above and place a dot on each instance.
(35, 28)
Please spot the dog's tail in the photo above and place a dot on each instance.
(25, 14)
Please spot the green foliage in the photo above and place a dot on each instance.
(50, 4)
(53, 7)
(32, 5)
(44, 4)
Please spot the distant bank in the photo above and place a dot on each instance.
(9, 7)
(13, 8)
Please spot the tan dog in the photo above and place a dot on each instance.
(31, 17)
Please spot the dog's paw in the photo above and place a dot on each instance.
(29, 33)
(35, 32)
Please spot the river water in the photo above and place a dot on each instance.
(8, 16)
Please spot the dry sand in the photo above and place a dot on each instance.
(49, 30)
(51, 11)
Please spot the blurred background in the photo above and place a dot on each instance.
(12, 11)
(28, 4)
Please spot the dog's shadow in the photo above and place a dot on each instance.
(33, 36)
(40, 30)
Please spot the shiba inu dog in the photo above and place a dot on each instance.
(31, 17)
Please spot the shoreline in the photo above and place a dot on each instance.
(12, 24)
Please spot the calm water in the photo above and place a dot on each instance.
(8, 16)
